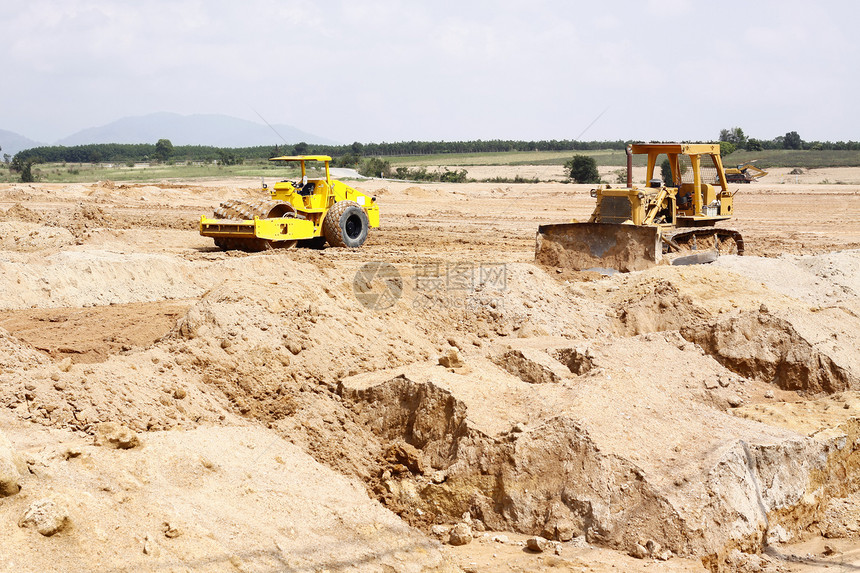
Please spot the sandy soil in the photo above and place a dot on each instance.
(167, 406)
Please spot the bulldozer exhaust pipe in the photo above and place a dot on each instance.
(629, 167)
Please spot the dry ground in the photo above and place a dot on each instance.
(286, 425)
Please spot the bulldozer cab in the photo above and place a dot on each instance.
(697, 174)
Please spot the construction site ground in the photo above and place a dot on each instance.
(166, 406)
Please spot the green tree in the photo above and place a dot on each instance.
(347, 160)
(792, 141)
(727, 148)
(456, 176)
(583, 169)
(753, 145)
(24, 167)
(301, 148)
(227, 157)
(27, 172)
(666, 173)
(375, 167)
(734, 136)
(163, 150)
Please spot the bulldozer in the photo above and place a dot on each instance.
(313, 211)
(744, 173)
(635, 228)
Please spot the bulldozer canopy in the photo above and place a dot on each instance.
(678, 148)
(301, 158)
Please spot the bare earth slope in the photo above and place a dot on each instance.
(284, 411)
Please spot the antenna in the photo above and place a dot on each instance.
(273, 129)
(590, 124)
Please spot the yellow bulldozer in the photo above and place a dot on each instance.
(744, 173)
(312, 210)
(634, 228)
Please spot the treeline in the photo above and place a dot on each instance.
(129, 152)
(477, 146)
(121, 153)
(735, 138)
(351, 154)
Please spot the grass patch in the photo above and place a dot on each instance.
(807, 159)
(603, 157)
(86, 172)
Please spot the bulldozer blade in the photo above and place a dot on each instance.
(587, 246)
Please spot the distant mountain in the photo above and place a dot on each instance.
(12, 143)
(200, 129)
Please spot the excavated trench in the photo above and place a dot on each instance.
(93, 334)
(570, 471)
(550, 480)
(567, 475)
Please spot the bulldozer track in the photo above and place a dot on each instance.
(263, 209)
(718, 238)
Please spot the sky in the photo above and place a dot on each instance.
(396, 70)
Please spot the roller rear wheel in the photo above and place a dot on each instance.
(346, 225)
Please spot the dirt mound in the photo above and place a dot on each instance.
(482, 429)
(87, 278)
(806, 416)
(147, 390)
(16, 355)
(662, 307)
(423, 193)
(180, 499)
(815, 280)
(23, 237)
(532, 366)
(761, 333)
(795, 351)
(18, 212)
(85, 218)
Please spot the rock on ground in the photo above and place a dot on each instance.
(47, 516)
(10, 475)
(116, 436)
